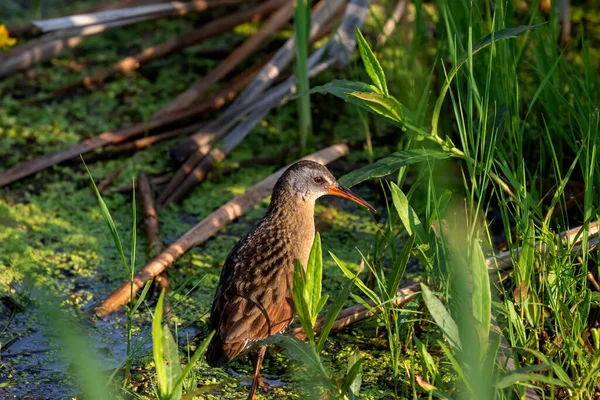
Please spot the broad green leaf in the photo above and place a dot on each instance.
(353, 378)
(382, 104)
(391, 164)
(407, 215)
(395, 275)
(314, 276)
(158, 349)
(441, 316)
(481, 296)
(342, 89)
(301, 302)
(172, 366)
(332, 314)
(193, 360)
(371, 63)
(484, 42)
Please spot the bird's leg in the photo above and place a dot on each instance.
(257, 360)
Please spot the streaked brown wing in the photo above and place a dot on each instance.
(263, 309)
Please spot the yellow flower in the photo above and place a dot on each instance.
(6, 41)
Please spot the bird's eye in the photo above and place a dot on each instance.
(318, 180)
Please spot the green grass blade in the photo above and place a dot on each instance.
(141, 296)
(361, 285)
(133, 231)
(108, 219)
(397, 272)
(484, 42)
(193, 360)
(332, 314)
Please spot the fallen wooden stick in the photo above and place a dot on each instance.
(215, 101)
(143, 143)
(195, 176)
(154, 244)
(174, 45)
(239, 54)
(207, 228)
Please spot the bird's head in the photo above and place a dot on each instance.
(311, 180)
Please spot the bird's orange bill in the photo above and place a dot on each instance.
(340, 191)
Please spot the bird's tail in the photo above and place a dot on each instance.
(220, 353)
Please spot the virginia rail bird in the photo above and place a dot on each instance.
(254, 297)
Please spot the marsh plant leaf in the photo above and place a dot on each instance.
(314, 278)
(172, 366)
(441, 316)
(391, 164)
(159, 350)
(353, 378)
(371, 63)
(481, 296)
(408, 216)
(381, 104)
(341, 87)
(344, 90)
(301, 302)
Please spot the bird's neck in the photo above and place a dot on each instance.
(295, 216)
